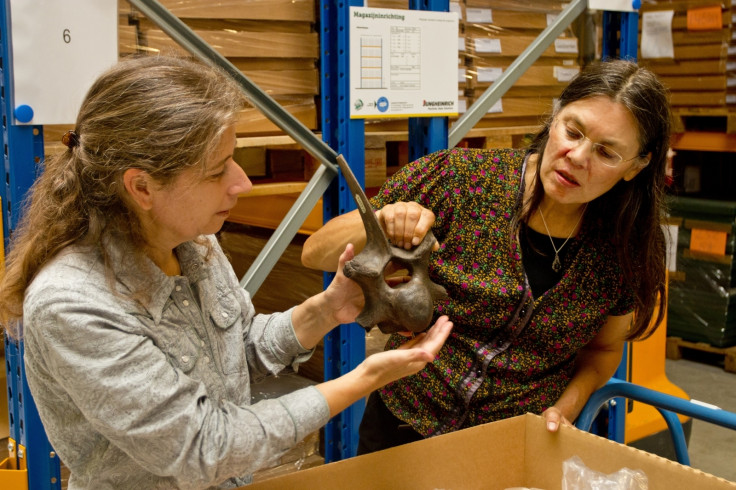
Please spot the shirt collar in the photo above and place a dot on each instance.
(144, 276)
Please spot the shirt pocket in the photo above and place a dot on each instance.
(229, 334)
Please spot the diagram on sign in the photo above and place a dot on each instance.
(371, 62)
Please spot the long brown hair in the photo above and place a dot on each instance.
(632, 211)
(156, 113)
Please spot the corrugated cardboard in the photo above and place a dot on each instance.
(243, 9)
(516, 452)
(244, 44)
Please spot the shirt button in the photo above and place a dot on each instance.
(185, 358)
(185, 302)
(178, 288)
(224, 314)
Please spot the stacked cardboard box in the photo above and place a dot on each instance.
(702, 291)
(273, 42)
(697, 74)
(496, 33)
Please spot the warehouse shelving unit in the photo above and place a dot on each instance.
(345, 346)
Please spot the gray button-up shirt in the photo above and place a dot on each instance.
(156, 393)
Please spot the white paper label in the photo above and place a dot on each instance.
(461, 75)
(566, 46)
(564, 74)
(489, 74)
(59, 50)
(656, 34)
(461, 44)
(670, 238)
(613, 5)
(479, 16)
(496, 108)
(485, 45)
(455, 7)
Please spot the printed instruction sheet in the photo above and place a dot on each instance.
(401, 63)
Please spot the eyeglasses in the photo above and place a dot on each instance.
(600, 153)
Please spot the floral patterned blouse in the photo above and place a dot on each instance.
(509, 352)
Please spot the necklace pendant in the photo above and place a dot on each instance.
(556, 264)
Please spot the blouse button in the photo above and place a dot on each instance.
(224, 314)
(185, 302)
(178, 288)
(185, 358)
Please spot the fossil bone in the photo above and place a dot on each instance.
(407, 306)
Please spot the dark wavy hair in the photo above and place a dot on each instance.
(631, 212)
(159, 114)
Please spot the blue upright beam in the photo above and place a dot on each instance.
(22, 161)
(44, 469)
(344, 347)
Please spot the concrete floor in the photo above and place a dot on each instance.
(712, 448)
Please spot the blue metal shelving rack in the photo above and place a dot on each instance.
(345, 346)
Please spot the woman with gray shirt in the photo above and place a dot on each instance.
(140, 344)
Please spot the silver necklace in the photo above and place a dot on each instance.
(556, 264)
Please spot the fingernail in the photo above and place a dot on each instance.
(551, 425)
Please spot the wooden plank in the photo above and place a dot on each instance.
(243, 9)
(243, 44)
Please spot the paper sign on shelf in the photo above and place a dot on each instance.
(59, 49)
(656, 34)
(398, 63)
(614, 5)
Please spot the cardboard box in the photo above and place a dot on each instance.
(516, 452)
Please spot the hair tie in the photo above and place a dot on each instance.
(70, 139)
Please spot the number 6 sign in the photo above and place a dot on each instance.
(59, 47)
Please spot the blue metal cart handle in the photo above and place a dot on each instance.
(667, 405)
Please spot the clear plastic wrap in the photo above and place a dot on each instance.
(577, 476)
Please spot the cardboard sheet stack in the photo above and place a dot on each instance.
(689, 44)
(273, 42)
(702, 289)
(496, 33)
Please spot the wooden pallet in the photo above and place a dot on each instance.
(675, 345)
(688, 118)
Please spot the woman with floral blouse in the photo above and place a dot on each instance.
(552, 256)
